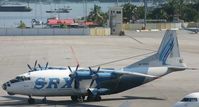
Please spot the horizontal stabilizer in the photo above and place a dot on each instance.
(174, 68)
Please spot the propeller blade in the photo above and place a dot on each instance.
(77, 67)
(91, 83)
(90, 69)
(35, 64)
(46, 65)
(70, 69)
(40, 66)
(29, 67)
(98, 69)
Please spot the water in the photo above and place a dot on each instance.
(12, 19)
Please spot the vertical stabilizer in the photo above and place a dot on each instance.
(168, 53)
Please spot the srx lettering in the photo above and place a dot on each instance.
(53, 83)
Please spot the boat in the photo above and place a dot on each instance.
(14, 8)
(60, 10)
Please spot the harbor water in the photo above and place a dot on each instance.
(12, 19)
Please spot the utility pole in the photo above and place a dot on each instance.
(117, 2)
(85, 9)
(145, 13)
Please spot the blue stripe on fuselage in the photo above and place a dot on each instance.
(166, 50)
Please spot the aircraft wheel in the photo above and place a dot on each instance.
(98, 98)
(44, 100)
(89, 98)
(94, 98)
(74, 98)
(31, 101)
(78, 98)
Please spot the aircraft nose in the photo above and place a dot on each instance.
(4, 86)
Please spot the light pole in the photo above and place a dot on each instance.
(117, 2)
(145, 13)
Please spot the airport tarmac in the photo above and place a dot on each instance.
(18, 51)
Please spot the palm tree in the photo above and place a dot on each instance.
(97, 15)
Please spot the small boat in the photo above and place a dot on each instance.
(14, 8)
(59, 10)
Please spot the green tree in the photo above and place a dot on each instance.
(187, 10)
(132, 12)
(96, 15)
(22, 25)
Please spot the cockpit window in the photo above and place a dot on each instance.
(19, 79)
(189, 100)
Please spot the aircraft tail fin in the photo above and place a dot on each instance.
(168, 53)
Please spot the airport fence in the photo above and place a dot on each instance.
(43, 32)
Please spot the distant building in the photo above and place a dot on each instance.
(57, 22)
(115, 20)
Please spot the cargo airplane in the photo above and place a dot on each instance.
(194, 30)
(90, 84)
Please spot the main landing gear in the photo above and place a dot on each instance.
(94, 98)
(78, 98)
(44, 100)
(31, 100)
(89, 98)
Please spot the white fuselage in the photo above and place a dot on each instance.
(55, 82)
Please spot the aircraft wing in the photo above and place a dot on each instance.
(136, 74)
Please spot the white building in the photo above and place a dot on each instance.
(115, 20)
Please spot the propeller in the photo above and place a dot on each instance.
(35, 65)
(46, 65)
(73, 72)
(94, 75)
(34, 68)
(72, 76)
(29, 67)
(40, 66)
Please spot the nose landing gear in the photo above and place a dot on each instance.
(31, 100)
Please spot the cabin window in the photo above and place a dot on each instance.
(189, 100)
(118, 12)
(19, 79)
